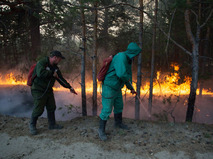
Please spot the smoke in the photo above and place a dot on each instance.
(173, 110)
(17, 101)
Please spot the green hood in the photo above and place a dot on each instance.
(132, 50)
(120, 70)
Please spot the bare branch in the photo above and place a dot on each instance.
(170, 25)
(125, 4)
(207, 19)
(98, 8)
(197, 19)
(205, 57)
(181, 47)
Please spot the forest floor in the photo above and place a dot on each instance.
(79, 139)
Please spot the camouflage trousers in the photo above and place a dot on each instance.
(41, 101)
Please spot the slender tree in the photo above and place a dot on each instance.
(153, 57)
(195, 41)
(139, 72)
(204, 60)
(94, 65)
(83, 62)
(35, 28)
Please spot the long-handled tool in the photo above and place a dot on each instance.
(146, 111)
(71, 89)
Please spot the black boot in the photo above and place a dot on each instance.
(101, 130)
(51, 121)
(118, 122)
(32, 126)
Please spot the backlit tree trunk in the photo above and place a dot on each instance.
(139, 78)
(204, 60)
(83, 61)
(94, 68)
(153, 58)
(195, 63)
(35, 29)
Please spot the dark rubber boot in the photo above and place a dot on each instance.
(119, 123)
(32, 126)
(51, 121)
(101, 130)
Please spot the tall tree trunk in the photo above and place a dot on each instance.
(3, 46)
(204, 61)
(83, 62)
(153, 58)
(139, 78)
(94, 69)
(195, 63)
(106, 25)
(35, 29)
(193, 87)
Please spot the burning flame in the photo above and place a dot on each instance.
(169, 84)
(163, 84)
(11, 79)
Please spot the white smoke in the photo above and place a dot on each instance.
(17, 101)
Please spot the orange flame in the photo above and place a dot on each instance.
(10, 79)
(163, 85)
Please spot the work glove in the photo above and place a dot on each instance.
(55, 74)
(73, 91)
(53, 69)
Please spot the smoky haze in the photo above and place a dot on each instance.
(17, 101)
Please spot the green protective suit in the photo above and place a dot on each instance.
(41, 89)
(119, 73)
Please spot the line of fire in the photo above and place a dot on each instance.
(165, 84)
(171, 75)
(170, 97)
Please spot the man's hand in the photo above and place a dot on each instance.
(133, 92)
(55, 74)
(73, 91)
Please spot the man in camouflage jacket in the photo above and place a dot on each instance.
(46, 72)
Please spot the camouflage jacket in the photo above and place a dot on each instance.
(45, 80)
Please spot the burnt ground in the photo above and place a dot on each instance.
(145, 139)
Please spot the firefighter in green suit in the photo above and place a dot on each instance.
(118, 75)
(46, 72)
